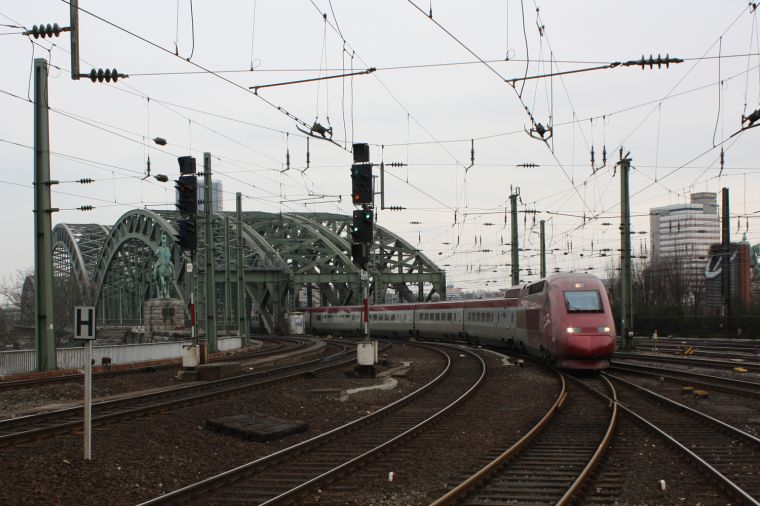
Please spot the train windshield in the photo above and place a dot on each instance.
(587, 301)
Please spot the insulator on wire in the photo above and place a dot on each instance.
(107, 75)
(85, 208)
(395, 208)
(85, 180)
(48, 30)
(395, 164)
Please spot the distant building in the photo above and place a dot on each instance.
(217, 189)
(453, 293)
(217, 194)
(741, 287)
(686, 231)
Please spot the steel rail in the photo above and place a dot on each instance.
(197, 489)
(722, 478)
(594, 460)
(197, 393)
(467, 485)
(736, 431)
(411, 431)
(688, 360)
(729, 385)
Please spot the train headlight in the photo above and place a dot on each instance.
(603, 329)
(573, 330)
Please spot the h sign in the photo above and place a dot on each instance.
(84, 322)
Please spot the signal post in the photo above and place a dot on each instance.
(187, 240)
(362, 234)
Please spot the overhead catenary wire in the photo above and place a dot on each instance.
(211, 72)
(482, 161)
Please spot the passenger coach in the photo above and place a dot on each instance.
(564, 318)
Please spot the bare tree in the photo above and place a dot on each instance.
(18, 300)
(5, 324)
(17, 291)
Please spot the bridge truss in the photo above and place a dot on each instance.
(290, 260)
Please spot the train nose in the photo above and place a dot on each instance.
(585, 345)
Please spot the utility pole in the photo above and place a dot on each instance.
(74, 26)
(626, 295)
(725, 278)
(515, 246)
(227, 275)
(242, 327)
(44, 325)
(210, 305)
(542, 224)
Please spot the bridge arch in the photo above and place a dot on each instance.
(121, 278)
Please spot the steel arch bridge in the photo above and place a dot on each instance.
(290, 260)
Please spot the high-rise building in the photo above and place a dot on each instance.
(217, 194)
(686, 232)
(739, 264)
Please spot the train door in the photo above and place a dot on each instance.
(548, 325)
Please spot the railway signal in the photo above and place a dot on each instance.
(187, 234)
(362, 226)
(361, 183)
(187, 195)
(359, 254)
(187, 205)
(186, 163)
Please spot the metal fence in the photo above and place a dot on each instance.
(21, 361)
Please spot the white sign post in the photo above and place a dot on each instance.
(84, 329)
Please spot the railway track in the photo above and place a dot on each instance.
(271, 347)
(727, 454)
(730, 345)
(17, 430)
(689, 360)
(708, 381)
(288, 474)
(550, 463)
(701, 351)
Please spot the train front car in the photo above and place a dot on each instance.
(579, 329)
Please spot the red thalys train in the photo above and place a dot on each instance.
(565, 318)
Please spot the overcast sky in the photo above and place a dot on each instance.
(427, 101)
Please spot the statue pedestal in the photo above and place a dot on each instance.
(165, 317)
